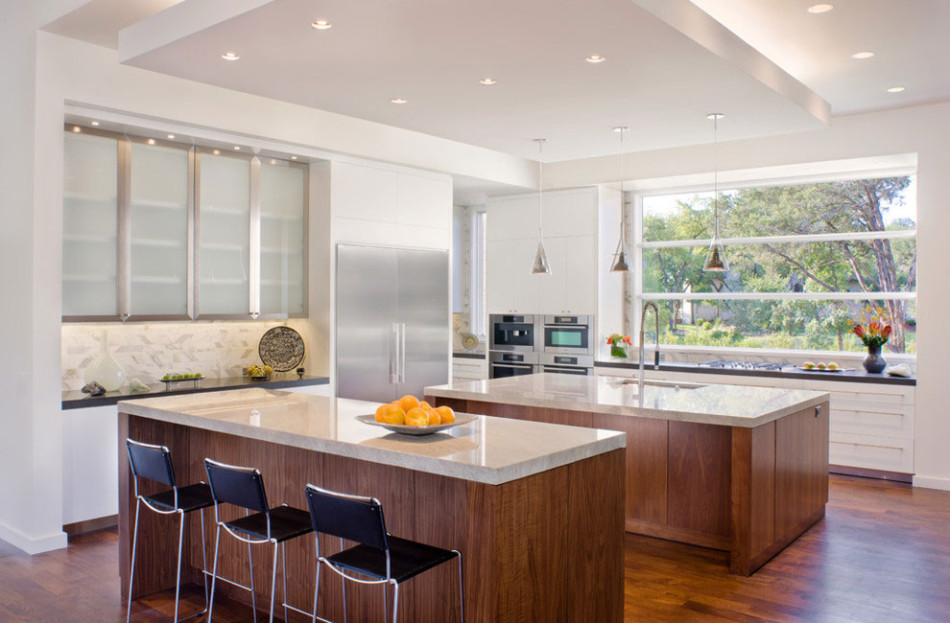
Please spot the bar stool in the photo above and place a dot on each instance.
(154, 462)
(378, 554)
(244, 487)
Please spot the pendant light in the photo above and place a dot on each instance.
(620, 263)
(716, 255)
(541, 266)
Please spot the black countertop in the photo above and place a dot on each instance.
(858, 375)
(79, 400)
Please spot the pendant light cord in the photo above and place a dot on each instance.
(541, 142)
(623, 200)
(716, 173)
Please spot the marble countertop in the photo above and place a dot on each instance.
(488, 450)
(726, 405)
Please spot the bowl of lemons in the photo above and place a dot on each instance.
(259, 373)
(411, 416)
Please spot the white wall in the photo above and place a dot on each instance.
(924, 131)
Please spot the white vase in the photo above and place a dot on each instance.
(104, 369)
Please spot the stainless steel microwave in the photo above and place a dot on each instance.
(512, 333)
(569, 335)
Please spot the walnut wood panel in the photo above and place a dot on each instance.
(801, 469)
(699, 478)
(753, 494)
(646, 459)
(526, 544)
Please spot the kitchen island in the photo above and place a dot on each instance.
(740, 469)
(515, 497)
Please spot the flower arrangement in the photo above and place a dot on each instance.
(878, 329)
(618, 344)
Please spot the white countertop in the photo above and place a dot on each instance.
(489, 450)
(726, 405)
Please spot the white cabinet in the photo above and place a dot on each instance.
(469, 369)
(577, 223)
(90, 456)
(282, 239)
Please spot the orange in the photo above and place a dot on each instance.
(417, 417)
(408, 402)
(381, 412)
(446, 413)
(425, 405)
(393, 414)
(434, 417)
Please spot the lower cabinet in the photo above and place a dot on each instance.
(466, 369)
(90, 459)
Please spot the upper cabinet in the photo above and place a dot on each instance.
(156, 230)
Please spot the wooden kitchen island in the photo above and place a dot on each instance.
(740, 469)
(535, 509)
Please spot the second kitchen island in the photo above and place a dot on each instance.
(740, 469)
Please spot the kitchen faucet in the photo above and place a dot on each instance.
(656, 352)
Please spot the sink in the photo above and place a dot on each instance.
(673, 384)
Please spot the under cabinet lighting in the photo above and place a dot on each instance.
(170, 137)
(150, 141)
(862, 55)
(817, 9)
(95, 123)
(230, 56)
(293, 157)
(322, 24)
(77, 129)
(237, 148)
(217, 152)
(595, 58)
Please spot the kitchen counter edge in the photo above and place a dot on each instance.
(850, 376)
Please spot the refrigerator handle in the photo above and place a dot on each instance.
(402, 353)
(394, 355)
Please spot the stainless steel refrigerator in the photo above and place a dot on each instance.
(392, 321)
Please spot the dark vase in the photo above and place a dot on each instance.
(873, 362)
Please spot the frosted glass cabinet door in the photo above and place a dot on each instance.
(283, 203)
(90, 225)
(223, 235)
(159, 235)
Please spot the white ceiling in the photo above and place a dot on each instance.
(656, 79)
(909, 38)
(99, 21)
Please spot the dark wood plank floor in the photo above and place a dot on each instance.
(882, 554)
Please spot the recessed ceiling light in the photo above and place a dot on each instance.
(820, 8)
(217, 152)
(862, 55)
(293, 157)
(93, 123)
(715, 116)
(170, 137)
(595, 58)
(398, 100)
(150, 141)
(237, 148)
(77, 129)
(488, 81)
(896, 90)
(322, 24)
(230, 56)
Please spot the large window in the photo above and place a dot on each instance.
(805, 260)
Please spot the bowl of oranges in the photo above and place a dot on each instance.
(410, 416)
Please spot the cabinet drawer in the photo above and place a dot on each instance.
(871, 452)
(870, 420)
(469, 370)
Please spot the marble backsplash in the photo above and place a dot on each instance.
(149, 350)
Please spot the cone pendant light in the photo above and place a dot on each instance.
(716, 255)
(541, 266)
(621, 262)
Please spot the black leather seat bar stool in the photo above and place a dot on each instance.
(244, 487)
(154, 462)
(389, 560)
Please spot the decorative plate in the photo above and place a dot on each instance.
(460, 419)
(281, 348)
(469, 341)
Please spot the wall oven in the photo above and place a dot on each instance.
(512, 333)
(580, 365)
(503, 365)
(569, 335)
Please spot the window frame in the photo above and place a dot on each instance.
(636, 201)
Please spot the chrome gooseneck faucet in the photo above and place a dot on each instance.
(656, 352)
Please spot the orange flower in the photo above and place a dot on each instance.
(858, 330)
(887, 332)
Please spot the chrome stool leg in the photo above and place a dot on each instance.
(250, 568)
(273, 582)
(135, 542)
(283, 557)
(461, 591)
(181, 540)
(396, 602)
(214, 572)
(316, 589)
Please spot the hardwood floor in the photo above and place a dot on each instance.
(882, 554)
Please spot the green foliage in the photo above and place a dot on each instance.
(832, 266)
